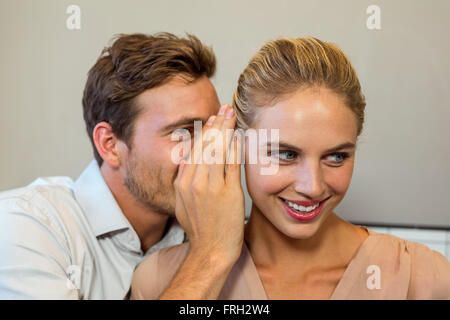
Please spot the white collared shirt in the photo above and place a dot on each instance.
(61, 239)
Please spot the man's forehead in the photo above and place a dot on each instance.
(164, 120)
(170, 114)
(178, 96)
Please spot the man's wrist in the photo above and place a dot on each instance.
(201, 276)
(216, 261)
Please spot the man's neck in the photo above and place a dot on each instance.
(149, 225)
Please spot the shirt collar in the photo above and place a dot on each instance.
(98, 203)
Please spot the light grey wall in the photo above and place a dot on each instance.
(402, 173)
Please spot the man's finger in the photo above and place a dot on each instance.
(211, 130)
(194, 158)
(233, 169)
(217, 170)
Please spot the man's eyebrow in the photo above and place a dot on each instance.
(346, 145)
(181, 122)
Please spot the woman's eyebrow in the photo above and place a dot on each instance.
(346, 145)
(281, 144)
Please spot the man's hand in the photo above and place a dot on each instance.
(210, 208)
(210, 203)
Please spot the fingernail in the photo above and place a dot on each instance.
(222, 109)
(210, 121)
(182, 164)
(230, 114)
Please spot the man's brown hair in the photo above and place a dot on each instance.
(135, 63)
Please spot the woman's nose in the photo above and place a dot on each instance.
(309, 181)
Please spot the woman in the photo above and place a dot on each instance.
(295, 246)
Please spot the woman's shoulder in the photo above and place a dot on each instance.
(174, 254)
(154, 273)
(418, 252)
(429, 270)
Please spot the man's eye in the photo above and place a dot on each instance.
(338, 157)
(191, 130)
(284, 155)
(185, 131)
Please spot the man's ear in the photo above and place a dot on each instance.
(107, 144)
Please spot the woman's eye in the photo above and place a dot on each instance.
(338, 157)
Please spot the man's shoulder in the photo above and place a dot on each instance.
(45, 189)
(44, 201)
(39, 186)
(42, 239)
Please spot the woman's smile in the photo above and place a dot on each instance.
(302, 210)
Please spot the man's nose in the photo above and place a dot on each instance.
(309, 181)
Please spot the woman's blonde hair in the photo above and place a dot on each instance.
(285, 65)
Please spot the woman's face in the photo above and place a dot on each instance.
(317, 138)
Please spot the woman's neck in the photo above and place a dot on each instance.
(334, 243)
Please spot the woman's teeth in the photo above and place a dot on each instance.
(301, 209)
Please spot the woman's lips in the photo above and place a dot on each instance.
(304, 203)
(304, 216)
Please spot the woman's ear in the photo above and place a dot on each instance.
(107, 144)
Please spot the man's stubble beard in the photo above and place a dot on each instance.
(148, 187)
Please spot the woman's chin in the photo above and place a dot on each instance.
(290, 226)
(299, 232)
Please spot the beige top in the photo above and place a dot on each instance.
(406, 270)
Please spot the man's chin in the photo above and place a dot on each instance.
(169, 212)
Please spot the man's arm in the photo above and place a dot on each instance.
(200, 277)
(33, 260)
(210, 208)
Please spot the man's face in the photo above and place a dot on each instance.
(148, 169)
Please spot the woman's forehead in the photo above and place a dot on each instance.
(309, 114)
(316, 119)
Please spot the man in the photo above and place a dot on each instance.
(61, 239)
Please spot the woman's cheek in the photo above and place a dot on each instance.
(260, 185)
(339, 180)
